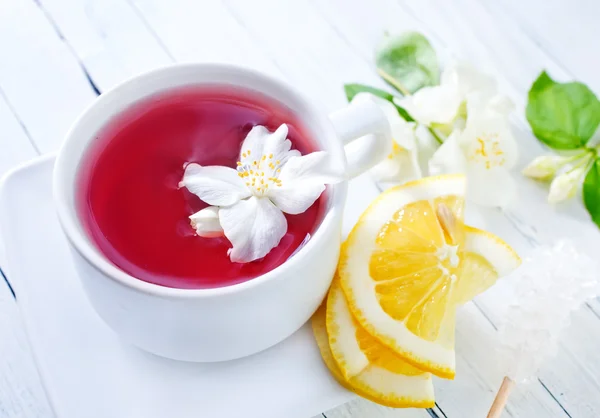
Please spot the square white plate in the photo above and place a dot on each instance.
(88, 372)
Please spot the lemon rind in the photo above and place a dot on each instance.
(497, 252)
(358, 385)
(359, 287)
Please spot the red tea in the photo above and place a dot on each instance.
(135, 213)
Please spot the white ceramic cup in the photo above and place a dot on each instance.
(234, 321)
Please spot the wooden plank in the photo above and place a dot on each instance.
(363, 26)
(21, 392)
(203, 31)
(109, 37)
(15, 146)
(564, 30)
(41, 80)
(362, 408)
(311, 54)
(42, 88)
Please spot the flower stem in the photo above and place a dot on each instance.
(580, 155)
(394, 83)
(585, 157)
(435, 135)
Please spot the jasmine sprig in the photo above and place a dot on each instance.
(450, 121)
(565, 117)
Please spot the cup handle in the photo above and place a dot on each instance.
(365, 132)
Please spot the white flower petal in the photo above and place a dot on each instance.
(566, 185)
(545, 167)
(266, 150)
(297, 198)
(449, 158)
(302, 180)
(427, 145)
(399, 167)
(206, 222)
(254, 227)
(215, 185)
(388, 170)
(438, 104)
(278, 147)
(466, 79)
(489, 141)
(488, 103)
(493, 188)
(404, 136)
(252, 147)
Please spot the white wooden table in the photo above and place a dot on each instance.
(57, 55)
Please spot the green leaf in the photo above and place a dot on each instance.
(408, 62)
(404, 114)
(353, 89)
(562, 115)
(542, 82)
(591, 191)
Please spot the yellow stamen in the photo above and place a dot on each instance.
(481, 150)
(239, 163)
(270, 155)
(277, 162)
(248, 152)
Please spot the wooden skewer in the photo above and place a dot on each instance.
(501, 398)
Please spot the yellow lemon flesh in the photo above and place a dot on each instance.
(410, 261)
(364, 366)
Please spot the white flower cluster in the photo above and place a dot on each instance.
(461, 126)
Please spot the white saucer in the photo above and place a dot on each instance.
(88, 372)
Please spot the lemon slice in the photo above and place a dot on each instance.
(408, 263)
(369, 368)
(320, 331)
